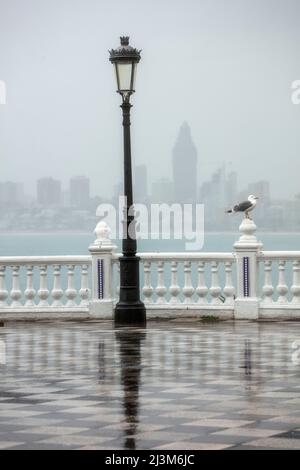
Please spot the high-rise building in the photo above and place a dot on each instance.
(140, 184)
(49, 192)
(79, 191)
(185, 167)
(11, 194)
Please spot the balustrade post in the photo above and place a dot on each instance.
(246, 305)
(101, 304)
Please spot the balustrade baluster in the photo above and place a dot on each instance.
(161, 288)
(202, 288)
(147, 288)
(43, 291)
(57, 291)
(282, 287)
(29, 291)
(268, 289)
(71, 292)
(295, 288)
(215, 289)
(188, 289)
(174, 287)
(229, 288)
(3, 290)
(16, 292)
(118, 280)
(84, 291)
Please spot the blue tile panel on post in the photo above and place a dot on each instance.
(100, 278)
(246, 276)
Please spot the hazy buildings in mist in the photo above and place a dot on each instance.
(49, 192)
(11, 194)
(80, 192)
(74, 209)
(162, 191)
(184, 163)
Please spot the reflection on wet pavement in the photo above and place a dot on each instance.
(172, 385)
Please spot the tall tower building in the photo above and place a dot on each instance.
(49, 192)
(79, 191)
(185, 167)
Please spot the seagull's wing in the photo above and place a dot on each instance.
(242, 206)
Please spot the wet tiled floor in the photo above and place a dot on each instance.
(173, 385)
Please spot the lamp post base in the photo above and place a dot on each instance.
(130, 310)
(130, 313)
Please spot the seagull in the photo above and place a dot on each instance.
(245, 206)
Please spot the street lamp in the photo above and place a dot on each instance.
(130, 309)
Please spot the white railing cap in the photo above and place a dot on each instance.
(184, 256)
(279, 255)
(45, 260)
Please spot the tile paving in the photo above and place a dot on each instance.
(76, 385)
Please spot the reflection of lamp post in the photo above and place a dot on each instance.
(129, 309)
(131, 366)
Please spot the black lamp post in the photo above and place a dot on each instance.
(130, 309)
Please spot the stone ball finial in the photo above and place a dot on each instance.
(248, 237)
(247, 230)
(102, 232)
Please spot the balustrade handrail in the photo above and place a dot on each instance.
(183, 256)
(278, 255)
(45, 260)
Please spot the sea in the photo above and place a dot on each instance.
(56, 243)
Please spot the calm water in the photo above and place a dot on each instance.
(30, 244)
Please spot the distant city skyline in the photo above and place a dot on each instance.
(227, 71)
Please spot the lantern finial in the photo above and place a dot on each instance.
(124, 40)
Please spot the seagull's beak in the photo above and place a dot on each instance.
(256, 197)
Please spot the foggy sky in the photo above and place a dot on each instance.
(224, 66)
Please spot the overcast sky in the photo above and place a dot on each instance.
(224, 66)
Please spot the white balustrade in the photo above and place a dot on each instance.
(41, 284)
(193, 292)
(43, 277)
(286, 264)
